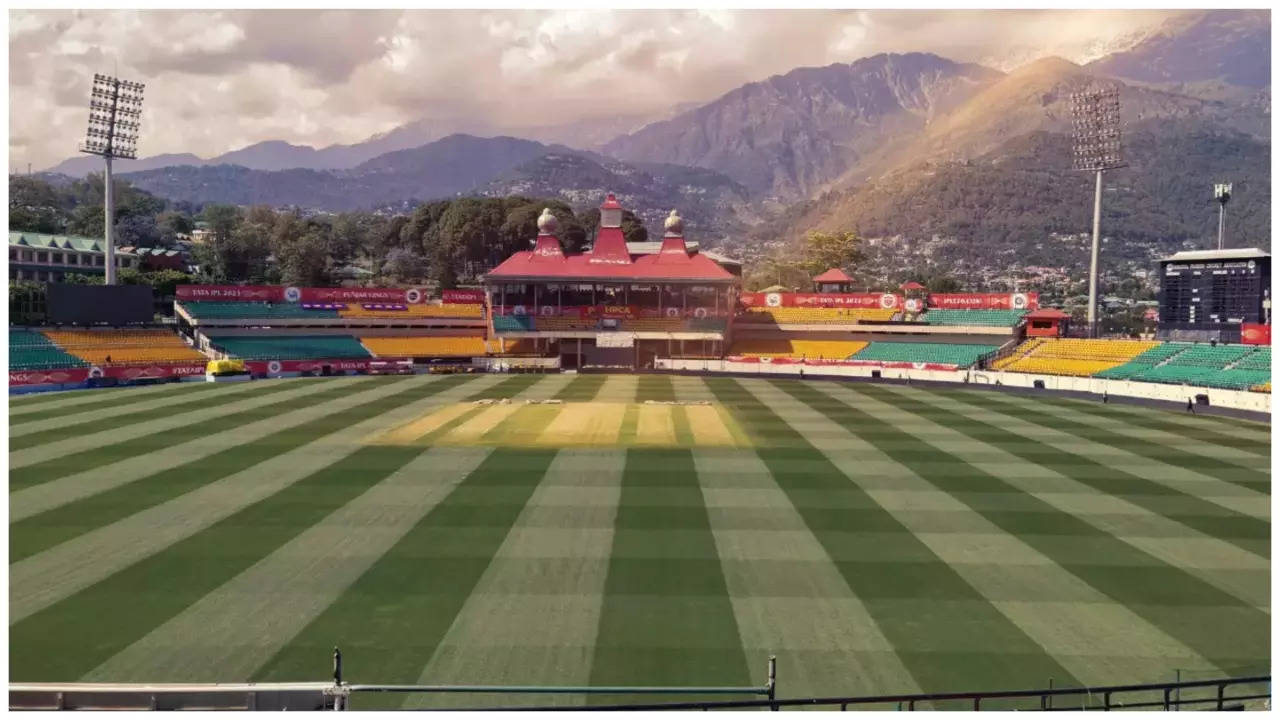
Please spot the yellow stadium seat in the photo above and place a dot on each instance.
(439, 346)
(816, 316)
(1071, 356)
(125, 347)
(796, 348)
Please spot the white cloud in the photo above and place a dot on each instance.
(219, 80)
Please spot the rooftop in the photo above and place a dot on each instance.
(43, 241)
(1230, 254)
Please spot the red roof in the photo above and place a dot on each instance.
(834, 275)
(609, 259)
(1046, 314)
(913, 285)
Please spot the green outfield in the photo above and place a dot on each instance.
(645, 530)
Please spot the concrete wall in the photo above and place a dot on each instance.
(1236, 399)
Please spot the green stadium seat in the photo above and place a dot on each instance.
(512, 323)
(291, 347)
(963, 355)
(250, 310)
(29, 350)
(980, 318)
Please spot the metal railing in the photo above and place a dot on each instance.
(1217, 694)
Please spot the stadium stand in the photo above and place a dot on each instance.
(522, 346)
(983, 318)
(1077, 357)
(1207, 366)
(124, 347)
(290, 347)
(512, 323)
(563, 322)
(453, 310)
(1143, 361)
(962, 355)
(443, 346)
(786, 347)
(815, 316)
(29, 350)
(250, 310)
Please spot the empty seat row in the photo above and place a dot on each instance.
(449, 310)
(816, 316)
(1071, 356)
(290, 347)
(127, 346)
(796, 348)
(441, 346)
(980, 318)
(33, 351)
(961, 354)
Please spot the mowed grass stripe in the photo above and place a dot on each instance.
(789, 598)
(46, 462)
(1138, 423)
(68, 639)
(1144, 585)
(390, 621)
(1164, 451)
(42, 406)
(1213, 516)
(43, 579)
(21, 426)
(666, 617)
(1247, 435)
(1233, 569)
(546, 387)
(581, 388)
(1246, 511)
(72, 427)
(233, 630)
(947, 634)
(36, 533)
(618, 388)
(533, 617)
(654, 387)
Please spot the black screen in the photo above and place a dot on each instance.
(100, 304)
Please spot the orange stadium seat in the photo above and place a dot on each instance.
(816, 316)
(124, 346)
(441, 346)
(796, 348)
(1070, 356)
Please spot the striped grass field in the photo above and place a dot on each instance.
(877, 539)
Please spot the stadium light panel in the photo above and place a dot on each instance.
(115, 111)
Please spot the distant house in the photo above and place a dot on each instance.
(158, 258)
(50, 258)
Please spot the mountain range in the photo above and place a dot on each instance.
(838, 147)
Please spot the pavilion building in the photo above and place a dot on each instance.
(608, 306)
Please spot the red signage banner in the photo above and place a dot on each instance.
(609, 311)
(817, 362)
(835, 300)
(275, 293)
(119, 372)
(1255, 334)
(242, 293)
(468, 297)
(985, 301)
(272, 367)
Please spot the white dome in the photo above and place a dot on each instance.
(674, 224)
(547, 223)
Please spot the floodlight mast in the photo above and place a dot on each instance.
(115, 109)
(1096, 114)
(1222, 193)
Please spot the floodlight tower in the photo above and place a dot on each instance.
(1096, 114)
(115, 111)
(1222, 193)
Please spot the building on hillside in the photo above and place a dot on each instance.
(1210, 295)
(50, 258)
(610, 307)
(154, 258)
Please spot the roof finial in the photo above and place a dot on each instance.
(674, 225)
(547, 223)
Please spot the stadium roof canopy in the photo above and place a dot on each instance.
(610, 258)
(1046, 314)
(1232, 254)
(834, 275)
(43, 241)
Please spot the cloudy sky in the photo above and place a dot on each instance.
(217, 81)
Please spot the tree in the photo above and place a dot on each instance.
(137, 231)
(404, 266)
(823, 251)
